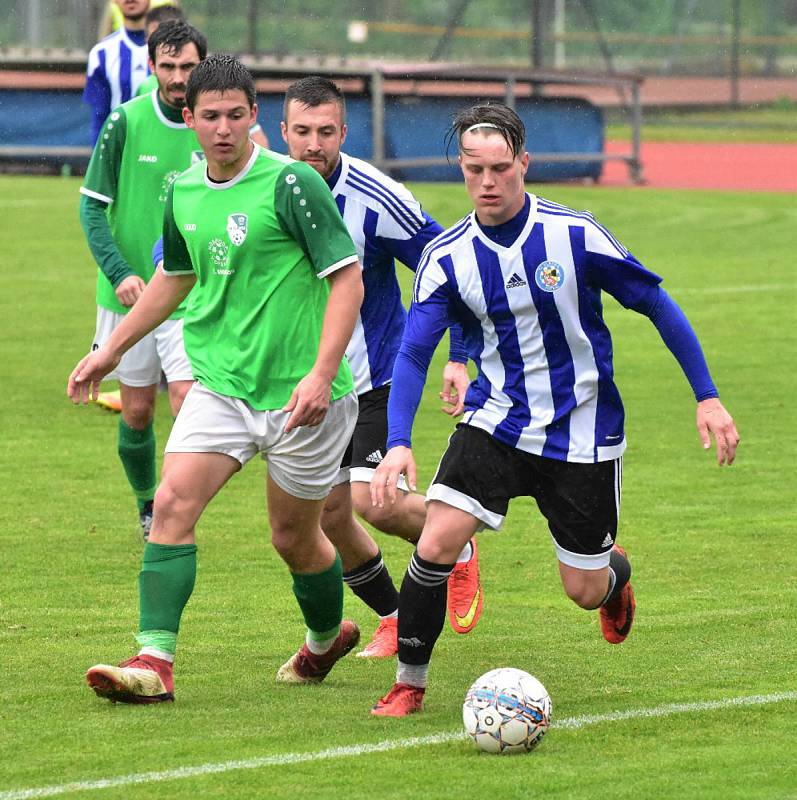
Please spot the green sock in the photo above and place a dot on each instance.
(320, 597)
(165, 583)
(137, 452)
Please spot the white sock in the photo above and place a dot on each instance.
(412, 674)
(466, 554)
(153, 651)
(318, 646)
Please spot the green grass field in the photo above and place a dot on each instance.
(713, 550)
(776, 123)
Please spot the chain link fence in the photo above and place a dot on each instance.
(654, 37)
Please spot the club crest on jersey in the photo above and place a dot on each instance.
(549, 276)
(236, 228)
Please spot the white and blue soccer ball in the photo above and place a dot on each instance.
(506, 710)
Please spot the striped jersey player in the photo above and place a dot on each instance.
(387, 225)
(117, 65)
(524, 277)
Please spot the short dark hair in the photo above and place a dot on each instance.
(219, 73)
(163, 14)
(312, 91)
(495, 117)
(172, 36)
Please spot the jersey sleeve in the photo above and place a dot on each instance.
(615, 270)
(102, 175)
(428, 318)
(97, 91)
(176, 258)
(307, 212)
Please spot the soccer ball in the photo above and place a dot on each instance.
(506, 710)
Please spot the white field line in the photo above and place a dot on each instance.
(569, 723)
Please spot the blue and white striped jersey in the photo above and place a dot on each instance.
(532, 321)
(386, 222)
(117, 66)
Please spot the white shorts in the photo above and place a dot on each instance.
(141, 365)
(302, 463)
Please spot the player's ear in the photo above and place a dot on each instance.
(151, 64)
(188, 117)
(344, 129)
(284, 131)
(524, 162)
(254, 113)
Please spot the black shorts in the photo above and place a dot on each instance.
(368, 443)
(581, 502)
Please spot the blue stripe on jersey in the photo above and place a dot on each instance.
(609, 414)
(125, 71)
(557, 353)
(382, 313)
(444, 239)
(392, 202)
(547, 207)
(340, 201)
(509, 429)
(103, 57)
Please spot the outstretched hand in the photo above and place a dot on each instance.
(714, 420)
(84, 382)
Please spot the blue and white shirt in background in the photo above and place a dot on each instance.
(117, 66)
(532, 321)
(386, 222)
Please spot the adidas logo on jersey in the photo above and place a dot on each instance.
(515, 281)
(375, 457)
(608, 541)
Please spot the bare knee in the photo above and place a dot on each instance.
(138, 414)
(383, 519)
(174, 516)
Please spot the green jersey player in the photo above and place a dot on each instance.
(275, 290)
(143, 146)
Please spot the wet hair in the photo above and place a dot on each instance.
(313, 91)
(173, 35)
(161, 14)
(495, 117)
(219, 73)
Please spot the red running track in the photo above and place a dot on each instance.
(708, 165)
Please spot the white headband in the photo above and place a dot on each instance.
(481, 125)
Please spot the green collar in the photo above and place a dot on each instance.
(170, 112)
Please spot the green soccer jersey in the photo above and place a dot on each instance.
(260, 246)
(143, 147)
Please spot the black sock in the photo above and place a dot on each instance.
(371, 582)
(422, 609)
(619, 575)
